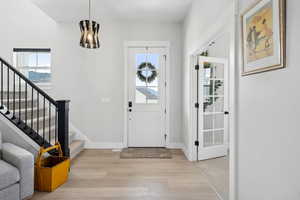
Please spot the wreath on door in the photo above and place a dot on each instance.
(149, 76)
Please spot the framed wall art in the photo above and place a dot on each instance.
(263, 36)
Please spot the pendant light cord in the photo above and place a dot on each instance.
(90, 10)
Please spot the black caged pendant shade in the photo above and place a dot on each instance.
(89, 32)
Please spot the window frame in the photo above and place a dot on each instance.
(34, 50)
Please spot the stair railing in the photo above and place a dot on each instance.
(32, 110)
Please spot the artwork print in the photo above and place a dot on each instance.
(260, 34)
(263, 37)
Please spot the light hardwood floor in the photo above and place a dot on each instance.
(102, 175)
(216, 171)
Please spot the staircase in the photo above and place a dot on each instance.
(44, 120)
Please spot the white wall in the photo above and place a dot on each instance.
(86, 76)
(220, 47)
(24, 25)
(68, 62)
(268, 136)
(201, 26)
(101, 75)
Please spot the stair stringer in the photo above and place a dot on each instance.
(12, 134)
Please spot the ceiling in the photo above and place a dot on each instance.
(131, 10)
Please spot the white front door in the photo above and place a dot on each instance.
(146, 97)
(213, 113)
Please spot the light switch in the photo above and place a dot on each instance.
(105, 100)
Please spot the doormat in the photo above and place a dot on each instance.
(135, 153)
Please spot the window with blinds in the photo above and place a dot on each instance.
(35, 64)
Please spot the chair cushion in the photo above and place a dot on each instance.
(9, 175)
(10, 193)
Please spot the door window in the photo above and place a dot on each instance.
(213, 104)
(147, 79)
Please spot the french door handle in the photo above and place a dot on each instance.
(226, 113)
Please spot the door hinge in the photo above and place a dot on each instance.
(165, 137)
(197, 143)
(196, 67)
(165, 111)
(197, 105)
(166, 84)
(165, 56)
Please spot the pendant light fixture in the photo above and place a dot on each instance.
(89, 32)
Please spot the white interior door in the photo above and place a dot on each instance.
(146, 97)
(213, 113)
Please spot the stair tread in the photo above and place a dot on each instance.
(17, 99)
(75, 144)
(70, 137)
(52, 128)
(72, 132)
(76, 147)
(28, 109)
(29, 112)
(40, 119)
(5, 91)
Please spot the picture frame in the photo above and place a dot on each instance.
(264, 37)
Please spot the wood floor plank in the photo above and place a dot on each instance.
(216, 172)
(101, 174)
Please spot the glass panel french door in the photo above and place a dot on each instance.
(213, 120)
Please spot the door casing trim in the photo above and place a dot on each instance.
(151, 44)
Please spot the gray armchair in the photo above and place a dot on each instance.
(16, 172)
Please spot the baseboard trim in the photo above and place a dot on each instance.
(95, 145)
(182, 147)
(186, 153)
(176, 146)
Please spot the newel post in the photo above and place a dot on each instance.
(63, 125)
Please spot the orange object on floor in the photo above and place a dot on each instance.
(51, 171)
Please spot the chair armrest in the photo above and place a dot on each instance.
(24, 161)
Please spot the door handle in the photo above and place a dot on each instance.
(129, 104)
(129, 110)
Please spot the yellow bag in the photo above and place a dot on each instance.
(52, 171)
